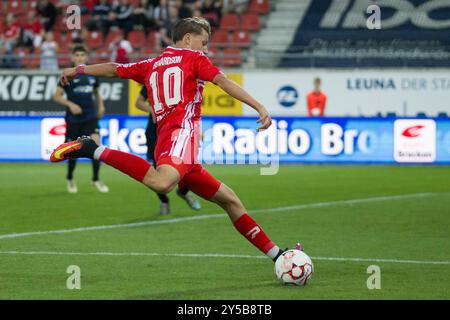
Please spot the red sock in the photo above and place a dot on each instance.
(254, 233)
(132, 165)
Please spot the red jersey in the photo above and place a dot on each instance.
(316, 103)
(12, 31)
(174, 82)
(35, 27)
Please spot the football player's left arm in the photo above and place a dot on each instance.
(143, 104)
(236, 91)
(100, 104)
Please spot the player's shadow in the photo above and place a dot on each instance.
(188, 294)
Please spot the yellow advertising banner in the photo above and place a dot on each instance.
(215, 100)
(133, 92)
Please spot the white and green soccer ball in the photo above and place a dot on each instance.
(294, 267)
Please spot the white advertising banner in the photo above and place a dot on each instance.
(414, 140)
(352, 92)
(53, 132)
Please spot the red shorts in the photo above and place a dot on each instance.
(180, 150)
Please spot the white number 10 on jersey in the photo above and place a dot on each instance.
(171, 85)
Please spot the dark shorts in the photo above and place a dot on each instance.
(78, 129)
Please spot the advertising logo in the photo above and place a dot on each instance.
(414, 141)
(412, 132)
(287, 96)
(53, 132)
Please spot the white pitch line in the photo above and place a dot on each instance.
(213, 255)
(218, 215)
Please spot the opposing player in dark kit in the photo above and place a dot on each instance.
(84, 107)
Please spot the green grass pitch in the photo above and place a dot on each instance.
(407, 236)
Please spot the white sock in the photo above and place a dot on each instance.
(272, 253)
(98, 152)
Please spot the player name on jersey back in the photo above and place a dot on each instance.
(167, 60)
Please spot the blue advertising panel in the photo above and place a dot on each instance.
(228, 140)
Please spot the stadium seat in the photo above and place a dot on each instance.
(85, 18)
(137, 39)
(100, 56)
(21, 51)
(64, 50)
(241, 38)
(33, 62)
(231, 57)
(147, 51)
(64, 60)
(58, 37)
(14, 6)
(60, 23)
(250, 22)
(112, 35)
(94, 39)
(151, 40)
(220, 38)
(229, 22)
(135, 3)
(213, 54)
(70, 36)
(259, 6)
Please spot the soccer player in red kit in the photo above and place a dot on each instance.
(175, 82)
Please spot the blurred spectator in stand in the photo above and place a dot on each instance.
(316, 100)
(184, 11)
(11, 34)
(33, 31)
(197, 13)
(88, 6)
(9, 39)
(49, 48)
(61, 5)
(101, 19)
(236, 6)
(161, 12)
(123, 14)
(120, 49)
(212, 6)
(165, 31)
(143, 16)
(193, 4)
(48, 12)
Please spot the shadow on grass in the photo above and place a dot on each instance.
(205, 292)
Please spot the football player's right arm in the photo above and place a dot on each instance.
(59, 98)
(100, 70)
(136, 71)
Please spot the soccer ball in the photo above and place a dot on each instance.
(294, 267)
